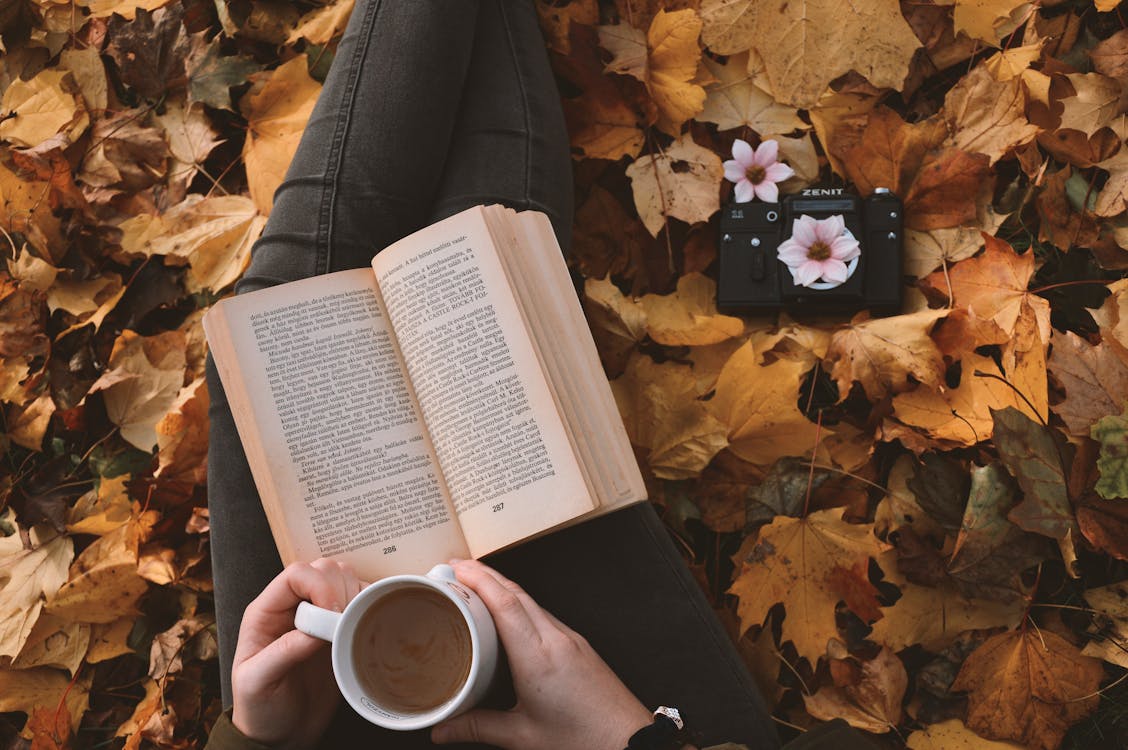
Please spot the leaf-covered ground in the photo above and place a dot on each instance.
(919, 523)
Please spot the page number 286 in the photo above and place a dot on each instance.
(498, 507)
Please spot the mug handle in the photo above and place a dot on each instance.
(315, 621)
(442, 572)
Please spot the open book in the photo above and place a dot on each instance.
(447, 402)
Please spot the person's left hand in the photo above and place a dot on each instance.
(282, 679)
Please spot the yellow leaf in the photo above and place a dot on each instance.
(55, 642)
(790, 562)
(28, 689)
(44, 107)
(990, 20)
(110, 639)
(617, 323)
(689, 316)
(682, 182)
(190, 138)
(33, 274)
(986, 116)
(873, 703)
(662, 414)
(1007, 64)
(276, 117)
(735, 101)
(101, 510)
(142, 382)
(182, 435)
(79, 298)
(953, 735)
(1097, 102)
(806, 45)
(883, 353)
(27, 576)
(29, 423)
(90, 74)
(556, 22)
(674, 56)
(758, 402)
(322, 25)
(127, 9)
(104, 584)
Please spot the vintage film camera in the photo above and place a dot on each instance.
(752, 278)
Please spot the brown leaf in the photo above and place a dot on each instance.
(890, 152)
(1094, 101)
(986, 116)
(45, 106)
(735, 101)
(276, 109)
(182, 436)
(50, 729)
(1030, 686)
(90, 74)
(27, 576)
(681, 182)
(883, 353)
(618, 324)
(1113, 197)
(1094, 377)
(606, 240)
(807, 45)
(1110, 56)
(945, 191)
(854, 588)
(54, 642)
(191, 139)
(126, 156)
(24, 208)
(27, 424)
(22, 322)
(26, 690)
(141, 383)
(1105, 524)
(790, 561)
(556, 21)
(149, 49)
(689, 317)
(873, 704)
(322, 25)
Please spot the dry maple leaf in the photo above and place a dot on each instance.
(45, 106)
(883, 353)
(322, 25)
(190, 139)
(109, 640)
(1029, 686)
(101, 510)
(758, 402)
(987, 116)
(55, 642)
(25, 690)
(735, 101)
(1113, 197)
(661, 411)
(276, 116)
(556, 22)
(890, 151)
(182, 435)
(680, 182)
(688, 316)
(990, 20)
(27, 576)
(617, 323)
(1111, 641)
(1009, 64)
(873, 703)
(1094, 102)
(953, 735)
(28, 424)
(790, 562)
(806, 45)
(141, 383)
(1094, 377)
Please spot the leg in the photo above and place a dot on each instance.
(364, 175)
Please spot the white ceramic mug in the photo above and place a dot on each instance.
(340, 628)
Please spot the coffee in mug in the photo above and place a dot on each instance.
(412, 650)
(409, 651)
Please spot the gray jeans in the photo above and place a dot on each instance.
(432, 106)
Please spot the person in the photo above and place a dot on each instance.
(430, 107)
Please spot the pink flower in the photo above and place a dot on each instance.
(756, 172)
(819, 249)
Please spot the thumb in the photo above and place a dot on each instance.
(481, 725)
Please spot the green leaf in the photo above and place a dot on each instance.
(1112, 433)
(1030, 453)
(211, 75)
(783, 491)
(940, 485)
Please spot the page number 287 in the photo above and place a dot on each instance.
(498, 507)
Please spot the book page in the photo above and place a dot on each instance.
(506, 457)
(349, 469)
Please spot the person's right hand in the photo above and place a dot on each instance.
(567, 696)
(282, 681)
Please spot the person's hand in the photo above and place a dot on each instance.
(282, 679)
(567, 696)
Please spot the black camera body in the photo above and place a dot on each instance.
(752, 278)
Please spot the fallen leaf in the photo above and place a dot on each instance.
(990, 20)
(890, 151)
(758, 403)
(127, 9)
(1008, 64)
(854, 588)
(189, 638)
(149, 48)
(953, 735)
(789, 562)
(556, 21)
(1110, 56)
(1030, 454)
(689, 316)
(884, 353)
(1095, 102)
(322, 25)
(27, 577)
(90, 74)
(126, 155)
(680, 182)
(927, 251)
(606, 240)
(54, 642)
(191, 139)
(101, 510)
(1113, 197)
(662, 414)
(1112, 434)
(25, 690)
(276, 112)
(945, 191)
(1105, 524)
(987, 116)
(104, 585)
(1029, 686)
(807, 45)
(1094, 377)
(47, 105)
(211, 74)
(182, 436)
(109, 640)
(617, 323)
(28, 424)
(736, 101)
(872, 704)
(25, 208)
(50, 729)
(32, 273)
(141, 383)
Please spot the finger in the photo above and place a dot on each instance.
(514, 625)
(277, 661)
(498, 728)
(542, 618)
(272, 612)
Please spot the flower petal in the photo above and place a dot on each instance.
(743, 153)
(834, 270)
(767, 191)
(778, 172)
(734, 171)
(767, 154)
(845, 248)
(803, 230)
(808, 273)
(792, 253)
(743, 192)
(830, 228)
